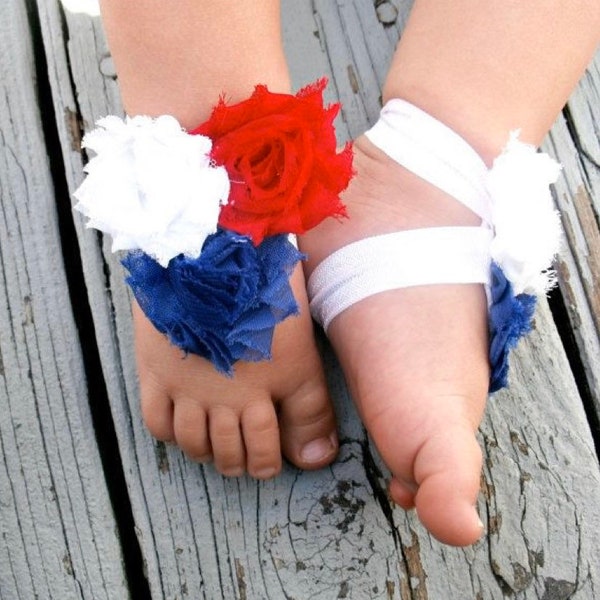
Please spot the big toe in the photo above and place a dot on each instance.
(308, 432)
(447, 472)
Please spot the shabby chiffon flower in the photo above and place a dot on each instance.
(152, 186)
(224, 304)
(527, 236)
(281, 154)
(510, 318)
(526, 225)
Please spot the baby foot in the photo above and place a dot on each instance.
(415, 359)
(241, 423)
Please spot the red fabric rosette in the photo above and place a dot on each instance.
(280, 153)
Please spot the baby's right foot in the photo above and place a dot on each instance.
(415, 359)
(245, 422)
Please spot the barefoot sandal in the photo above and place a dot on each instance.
(207, 216)
(510, 252)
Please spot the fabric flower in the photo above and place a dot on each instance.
(510, 319)
(152, 186)
(224, 304)
(280, 153)
(527, 228)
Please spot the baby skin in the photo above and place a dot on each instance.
(243, 423)
(415, 359)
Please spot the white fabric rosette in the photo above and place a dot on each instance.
(152, 186)
(526, 225)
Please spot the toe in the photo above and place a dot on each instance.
(261, 439)
(191, 431)
(157, 412)
(402, 494)
(226, 441)
(308, 434)
(447, 471)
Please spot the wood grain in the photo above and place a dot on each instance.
(574, 141)
(58, 530)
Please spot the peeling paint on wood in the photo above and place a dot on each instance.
(57, 530)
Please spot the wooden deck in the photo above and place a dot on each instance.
(92, 507)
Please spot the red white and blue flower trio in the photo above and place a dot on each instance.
(206, 217)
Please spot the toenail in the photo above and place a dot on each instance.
(265, 473)
(317, 450)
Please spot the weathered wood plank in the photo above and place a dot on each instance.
(333, 534)
(165, 529)
(575, 144)
(58, 531)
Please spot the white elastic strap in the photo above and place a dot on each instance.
(431, 150)
(398, 260)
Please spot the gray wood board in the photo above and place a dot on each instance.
(574, 141)
(58, 532)
(333, 533)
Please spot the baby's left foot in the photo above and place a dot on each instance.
(415, 359)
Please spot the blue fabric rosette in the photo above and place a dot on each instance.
(510, 318)
(224, 304)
